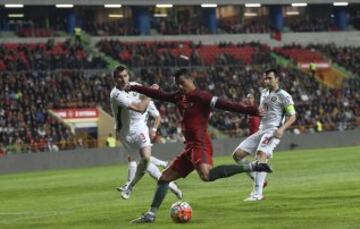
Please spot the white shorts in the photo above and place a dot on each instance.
(263, 141)
(135, 141)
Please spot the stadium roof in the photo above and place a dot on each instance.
(175, 2)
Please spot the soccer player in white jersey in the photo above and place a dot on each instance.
(280, 114)
(130, 111)
(152, 168)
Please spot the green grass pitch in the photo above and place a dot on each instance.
(308, 189)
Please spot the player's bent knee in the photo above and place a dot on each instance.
(237, 155)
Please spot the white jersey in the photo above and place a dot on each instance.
(126, 119)
(275, 104)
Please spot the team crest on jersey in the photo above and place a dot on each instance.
(273, 99)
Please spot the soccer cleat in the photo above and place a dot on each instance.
(126, 193)
(122, 188)
(261, 167)
(252, 198)
(147, 217)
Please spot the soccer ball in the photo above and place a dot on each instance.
(181, 212)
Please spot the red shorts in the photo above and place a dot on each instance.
(192, 156)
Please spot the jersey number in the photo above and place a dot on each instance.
(266, 141)
(118, 119)
(142, 138)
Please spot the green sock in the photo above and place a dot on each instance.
(159, 196)
(223, 171)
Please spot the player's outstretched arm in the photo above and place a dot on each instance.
(120, 100)
(224, 104)
(239, 107)
(153, 93)
(140, 106)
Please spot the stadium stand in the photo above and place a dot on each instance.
(313, 25)
(347, 57)
(305, 88)
(26, 125)
(47, 56)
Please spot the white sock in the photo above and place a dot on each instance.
(153, 170)
(131, 170)
(173, 187)
(155, 173)
(259, 183)
(140, 171)
(158, 162)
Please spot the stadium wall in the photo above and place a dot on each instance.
(339, 38)
(109, 156)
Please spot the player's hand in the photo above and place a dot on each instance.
(278, 133)
(261, 111)
(155, 86)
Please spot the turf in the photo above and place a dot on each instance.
(309, 189)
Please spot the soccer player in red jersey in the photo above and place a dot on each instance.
(195, 106)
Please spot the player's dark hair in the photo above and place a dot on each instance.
(118, 69)
(181, 72)
(272, 70)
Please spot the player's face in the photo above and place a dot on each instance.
(121, 78)
(184, 84)
(270, 81)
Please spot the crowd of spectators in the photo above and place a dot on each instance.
(232, 25)
(355, 20)
(234, 82)
(29, 28)
(31, 85)
(169, 26)
(339, 114)
(148, 54)
(238, 25)
(347, 57)
(47, 56)
(110, 28)
(27, 95)
(315, 24)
